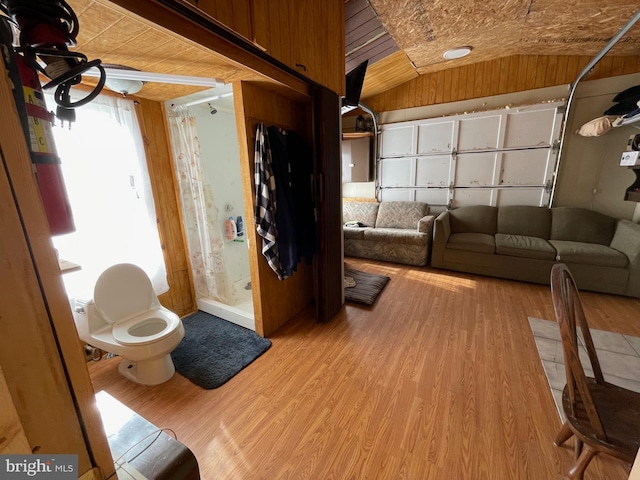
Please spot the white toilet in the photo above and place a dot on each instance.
(126, 318)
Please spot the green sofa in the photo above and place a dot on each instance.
(398, 232)
(523, 243)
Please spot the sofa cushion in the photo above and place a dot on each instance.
(589, 254)
(474, 219)
(524, 246)
(401, 214)
(354, 233)
(363, 212)
(396, 235)
(524, 220)
(581, 225)
(472, 242)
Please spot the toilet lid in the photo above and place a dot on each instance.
(123, 291)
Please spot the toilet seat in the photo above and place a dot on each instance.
(122, 292)
(162, 322)
(125, 298)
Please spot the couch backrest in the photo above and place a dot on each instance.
(363, 212)
(401, 214)
(474, 219)
(524, 220)
(581, 225)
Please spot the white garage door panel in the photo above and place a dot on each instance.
(394, 194)
(498, 157)
(513, 196)
(433, 196)
(474, 169)
(435, 138)
(397, 172)
(471, 196)
(529, 128)
(526, 167)
(482, 133)
(398, 141)
(433, 171)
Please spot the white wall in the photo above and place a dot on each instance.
(590, 175)
(220, 159)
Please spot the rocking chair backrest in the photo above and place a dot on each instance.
(570, 315)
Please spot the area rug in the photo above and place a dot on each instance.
(214, 350)
(619, 357)
(368, 286)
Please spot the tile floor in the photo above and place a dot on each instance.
(619, 357)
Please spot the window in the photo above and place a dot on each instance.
(107, 181)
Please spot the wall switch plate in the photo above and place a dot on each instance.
(630, 159)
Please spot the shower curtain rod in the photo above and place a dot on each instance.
(207, 99)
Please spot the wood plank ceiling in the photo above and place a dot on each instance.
(402, 38)
(118, 37)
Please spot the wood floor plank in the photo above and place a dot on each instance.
(439, 379)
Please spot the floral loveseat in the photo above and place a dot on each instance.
(523, 243)
(397, 232)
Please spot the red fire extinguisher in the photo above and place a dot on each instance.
(43, 151)
(47, 28)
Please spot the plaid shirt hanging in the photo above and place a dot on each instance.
(265, 200)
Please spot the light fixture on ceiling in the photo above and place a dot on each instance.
(457, 52)
(125, 87)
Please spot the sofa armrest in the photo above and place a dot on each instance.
(425, 224)
(626, 239)
(441, 233)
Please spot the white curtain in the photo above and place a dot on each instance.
(105, 172)
(200, 214)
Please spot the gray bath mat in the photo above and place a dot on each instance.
(213, 350)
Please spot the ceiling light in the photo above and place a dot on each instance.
(458, 52)
(125, 87)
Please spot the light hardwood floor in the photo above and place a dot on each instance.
(440, 379)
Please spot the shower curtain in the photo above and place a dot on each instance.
(203, 227)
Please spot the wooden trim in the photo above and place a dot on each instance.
(57, 328)
(353, 135)
(158, 15)
(154, 128)
(274, 301)
(13, 439)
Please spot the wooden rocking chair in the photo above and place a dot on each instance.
(603, 417)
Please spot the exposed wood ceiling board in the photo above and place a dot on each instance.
(373, 52)
(387, 73)
(363, 33)
(497, 28)
(365, 37)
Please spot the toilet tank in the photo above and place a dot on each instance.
(87, 318)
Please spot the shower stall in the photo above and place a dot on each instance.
(207, 160)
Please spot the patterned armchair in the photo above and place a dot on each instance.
(399, 232)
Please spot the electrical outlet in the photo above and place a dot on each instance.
(630, 159)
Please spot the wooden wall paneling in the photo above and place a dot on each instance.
(38, 330)
(153, 124)
(13, 439)
(494, 77)
(456, 94)
(471, 78)
(274, 301)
